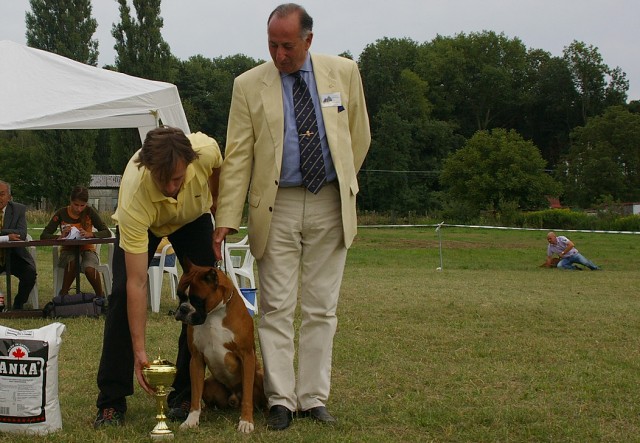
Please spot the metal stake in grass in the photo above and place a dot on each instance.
(440, 241)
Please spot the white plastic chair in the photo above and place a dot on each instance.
(103, 268)
(33, 295)
(239, 267)
(156, 277)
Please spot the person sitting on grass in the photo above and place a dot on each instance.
(84, 218)
(565, 249)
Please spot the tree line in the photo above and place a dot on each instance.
(460, 124)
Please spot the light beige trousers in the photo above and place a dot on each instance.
(305, 249)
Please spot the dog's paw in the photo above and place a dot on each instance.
(245, 426)
(192, 421)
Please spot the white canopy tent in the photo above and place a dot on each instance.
(41, 90)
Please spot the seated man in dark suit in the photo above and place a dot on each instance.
(13, 227)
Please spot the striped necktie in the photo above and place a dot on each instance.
(311, 161)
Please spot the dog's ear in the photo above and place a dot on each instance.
(183, 285)
(186, 265)
(225, 282)
(211, 277)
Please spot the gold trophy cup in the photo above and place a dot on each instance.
(160, 375)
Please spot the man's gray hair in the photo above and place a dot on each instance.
(2, 182)
(283, 10)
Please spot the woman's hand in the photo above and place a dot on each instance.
(64, 230)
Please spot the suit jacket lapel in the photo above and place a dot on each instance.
(8, 216)
(326, 83)
(273, 106)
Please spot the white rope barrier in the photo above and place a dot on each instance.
(505, 228)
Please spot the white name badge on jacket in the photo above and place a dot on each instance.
(332, 99)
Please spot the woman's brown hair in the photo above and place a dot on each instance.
(79, 193)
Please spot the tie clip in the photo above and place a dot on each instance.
(307, 134)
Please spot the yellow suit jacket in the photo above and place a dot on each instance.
(253, 154)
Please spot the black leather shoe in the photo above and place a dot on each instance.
(279, 418)
(179, 412)
(108, 417)
(319, 414)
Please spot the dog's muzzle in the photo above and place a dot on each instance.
(188, 315)
(183, 311)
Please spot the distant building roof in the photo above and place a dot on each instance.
(105, 181)
(554, 203)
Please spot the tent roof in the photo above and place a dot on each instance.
(41, 90)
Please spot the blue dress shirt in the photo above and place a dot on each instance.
(290, 174)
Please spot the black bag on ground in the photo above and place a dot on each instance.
(75, 305)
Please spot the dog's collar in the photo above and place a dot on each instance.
(224, 303)
(230, 295)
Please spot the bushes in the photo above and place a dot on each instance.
(511, 217)
(40, 217)
(566, 219)
(559, 218)
(629, 223)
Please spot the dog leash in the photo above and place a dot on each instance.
(224, 256)
(222, 263)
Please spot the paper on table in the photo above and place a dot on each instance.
(74, 233)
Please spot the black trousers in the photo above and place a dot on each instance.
(115, 374)
(26, 275)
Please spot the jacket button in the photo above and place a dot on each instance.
(270, 209)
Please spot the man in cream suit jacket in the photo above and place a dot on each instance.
(294, 234)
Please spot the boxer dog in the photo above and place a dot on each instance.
(552, 264)
(220, 337)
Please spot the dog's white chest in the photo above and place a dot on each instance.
(210, 338)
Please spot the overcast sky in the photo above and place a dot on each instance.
(220, 28)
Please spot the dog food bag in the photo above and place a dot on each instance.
(29, 379)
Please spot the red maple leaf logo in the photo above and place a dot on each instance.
(18, 353)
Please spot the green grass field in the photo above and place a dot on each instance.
(492, 348)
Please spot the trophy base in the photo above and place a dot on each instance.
(159, 437)
(161, 432)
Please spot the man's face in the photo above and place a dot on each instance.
(172, 188)
(552, 239)
(288, 51)
(5, 196)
